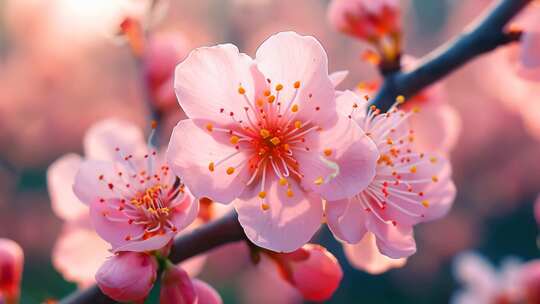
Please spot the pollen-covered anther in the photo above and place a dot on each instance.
(327, 152)
(389, 141)
(413, 169)
(434, 179)
(275, 141)
(265, 206)
(241, 91)
(267, 93)
(264, 133)
(271, 98)
(400, 99)
(433, 159)
(259, 102)
(319, 181)
(210, 127)
(279, 87)
(262, 194)
(283, 181)
(425, 203)
(234, 139)
(298, 124)
(294, 108)
(416, 109)
(290, 193)
(297, 84)
(211, 166)
(230, 170)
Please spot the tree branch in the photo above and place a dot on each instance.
(483, 36)
(214, 234)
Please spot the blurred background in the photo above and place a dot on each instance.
(62, 68)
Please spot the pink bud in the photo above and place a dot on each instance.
(11, 265)
(365, 19)
(206, 294)
(176, 287)
(127, 276)
(531, 281)
(313, 270)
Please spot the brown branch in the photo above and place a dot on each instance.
(484, 35)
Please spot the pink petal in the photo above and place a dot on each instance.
(186, 212)
(206, 294)
(286, 58)
(190, 152)
(102, 139)
(437, 127)
(89, 187)
(352, 151)
(287, 224)
(338, 77)
(346, 219)
(176, 287)
(393, 241)
(60, 178)
(366, 256)
(476, 272)
(78, 253)
(154, 243)
(209, 79)
(11, 267)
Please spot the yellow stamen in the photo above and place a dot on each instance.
(327, 152)
(416, 109)
(279, 87)
(283, 181)
(290, 193)
(234, 139)
(435, 179)
(297, 84)
(319, 181)
(389, 141)
(294, 108)
(265, 206)
(413, 169)
(433, 159)
(275, 141)
(400, 99)
(267, 93)
(210, 127)
(259, 102)
(271, 98)
(262, 194)
(241, 91)
(211, 166)
(264, 133)
(286, 147)
(425, 203)
(230, 170)
(298, 124)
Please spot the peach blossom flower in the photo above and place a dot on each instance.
(366, 256)
(178, 287)
(127, 276)
(265, 133)
(515, 283)
(136, 203)
(11, 266)
(377, 21)
(312, 270)
(409, 187)
(528, 64)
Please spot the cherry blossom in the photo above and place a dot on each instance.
(11, 266)
(366, 256)
(265, 134)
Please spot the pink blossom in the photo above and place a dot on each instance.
(178, 288)
(528, 64)
(515, 282)
(265, 133)
(377, 21)
(11, 266)
(127, 276)
(136, 203)
(312, 270)
(366, 256)
(409, 187)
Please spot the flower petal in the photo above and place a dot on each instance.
(102, 139)
(190, 152)
(346, 219)
(92, 181)
(209, 80)
(366, 256)
(337, 77)
(393, 241)
(287, 58)
(60, 178)
(286, 223)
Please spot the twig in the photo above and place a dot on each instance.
(483, 36)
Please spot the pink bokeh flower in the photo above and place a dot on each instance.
(312, 270)
(127, 276)
(409, 187)
(366, 256)
(178, 288)
(265, 133)
(11, 266)
(136, 203)
(377, 21)
(527, 63)
(514, 283)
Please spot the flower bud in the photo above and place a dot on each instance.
(178, 288)
(11, 265)
(127, 276)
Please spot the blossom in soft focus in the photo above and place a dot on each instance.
(366, 256)
(410, 187)
(528, 64)
(11, 266)
(136, 203)
(163, 52)
(266, 134)
(377, 21)
(514, 283)
(127, 276)
(312, 270)
(178, 287)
